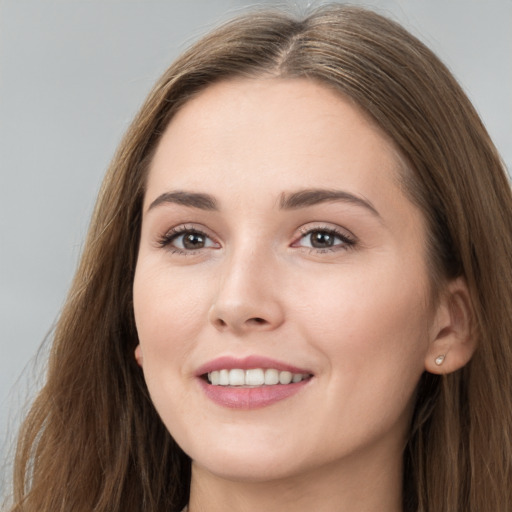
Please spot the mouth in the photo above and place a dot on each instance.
(252, 382)
(253, 377)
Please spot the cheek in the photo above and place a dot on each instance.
(167, 316)
(372, 327)
(373, 340)
(169, 312)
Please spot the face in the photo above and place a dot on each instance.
(277, 245)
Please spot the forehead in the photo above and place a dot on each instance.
(272, 130)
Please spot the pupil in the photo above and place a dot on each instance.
(321, 239)
(193, 241)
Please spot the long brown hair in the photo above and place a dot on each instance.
(93, 441)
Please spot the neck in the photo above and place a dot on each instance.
(366, 488)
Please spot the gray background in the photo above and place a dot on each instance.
(73, 73)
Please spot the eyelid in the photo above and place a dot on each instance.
(347, 238)
(165, 240)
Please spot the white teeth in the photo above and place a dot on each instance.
(285, 377)
(296, 377)
(254, 377)
(214, 378)
(224, 378)
(271, 377)
(236, 377)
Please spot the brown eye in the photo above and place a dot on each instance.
(322, 239)
(187, 239)
(193, 240)
(325, 239)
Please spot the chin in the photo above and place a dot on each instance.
(249, 469)
(247, 459)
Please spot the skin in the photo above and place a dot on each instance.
(357, 315)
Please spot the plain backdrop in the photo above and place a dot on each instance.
(72, 75)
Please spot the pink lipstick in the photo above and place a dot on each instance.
(251, 382)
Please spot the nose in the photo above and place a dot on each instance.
(248, 297)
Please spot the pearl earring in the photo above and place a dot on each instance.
(439, 359)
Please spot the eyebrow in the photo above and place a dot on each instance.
(311, 197)
(292, 201)
(191, 199)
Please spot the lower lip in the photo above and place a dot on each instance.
(250, 398)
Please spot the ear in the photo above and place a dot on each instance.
(138, 355)
(453, 339)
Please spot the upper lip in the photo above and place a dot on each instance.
(246, 363)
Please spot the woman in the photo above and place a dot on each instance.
(295, 291)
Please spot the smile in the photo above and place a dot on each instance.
(251, 382)
(254, 377)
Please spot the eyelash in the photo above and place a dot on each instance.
(348, 241)
(169, 237)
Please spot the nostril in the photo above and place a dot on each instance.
(257, 320)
